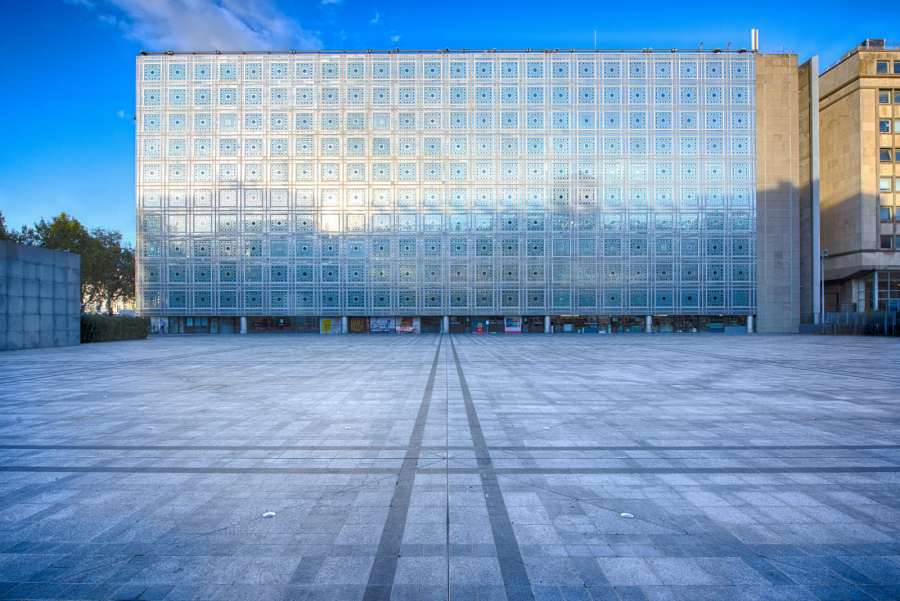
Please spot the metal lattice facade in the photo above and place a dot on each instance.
(465, 184)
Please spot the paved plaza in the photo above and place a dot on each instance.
(464, 467)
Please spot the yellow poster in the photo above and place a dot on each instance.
(326, 326)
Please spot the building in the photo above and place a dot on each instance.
(468, 191)
(859, 113)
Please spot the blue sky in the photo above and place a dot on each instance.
(67, 74)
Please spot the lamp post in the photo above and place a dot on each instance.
(822, 279)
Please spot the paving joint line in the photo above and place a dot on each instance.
(384, 568)
(512, 567)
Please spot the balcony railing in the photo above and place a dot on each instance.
(881, 323)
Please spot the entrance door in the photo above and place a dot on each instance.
(431, 325)
(533, 324)
(458, 325)
(496, 325)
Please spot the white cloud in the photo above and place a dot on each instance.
(376, 20)
(330, 1)
(395, 38)
(186, 25)
(121, 114)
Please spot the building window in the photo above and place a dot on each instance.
(896, 67)
(884, 96)
(884, 184)
(884, 126)
(885, 154)
(897, 154)
(881, 67)
(897, 94)
(885, 213)
(887, 242)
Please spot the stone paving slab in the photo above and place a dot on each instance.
(452, 467)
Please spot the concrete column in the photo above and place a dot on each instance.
(445, 325)
(243, 325)
(345, 327)
(648, 324)
(814, 180)
(546, 324)
(749, 324)
(875, 291)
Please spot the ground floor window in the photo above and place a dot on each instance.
(461, 324)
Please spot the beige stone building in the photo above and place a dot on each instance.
(859, 183)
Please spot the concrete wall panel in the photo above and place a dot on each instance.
(39, 297)
(778, 193)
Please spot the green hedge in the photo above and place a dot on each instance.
(100, 328)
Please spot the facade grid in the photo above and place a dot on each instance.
(465, 184)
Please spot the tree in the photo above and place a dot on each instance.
(25, 236)
(115, 268)
(107, 267)
(66, 233)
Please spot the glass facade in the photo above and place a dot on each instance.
(446, 184)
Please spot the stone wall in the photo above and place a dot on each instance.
(40, 297)
(844, 198)
(850, 141)
(777, 193)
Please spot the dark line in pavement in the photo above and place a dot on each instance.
(460, 470)
(700, 448)
(512, 568)
(384, 568)
(37, 447)
(677, 470)
(26, 447)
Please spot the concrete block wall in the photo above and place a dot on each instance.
(40, 297)
(778, 193)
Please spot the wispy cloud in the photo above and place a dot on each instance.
(207, 25)
(121, 114)
(395, 38)
(330, 1)
(376, 20)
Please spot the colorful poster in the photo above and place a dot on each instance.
(326, 326)
(512, 325)
(359, 325)
(479, 326)
(409, 325)
(382, 325)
